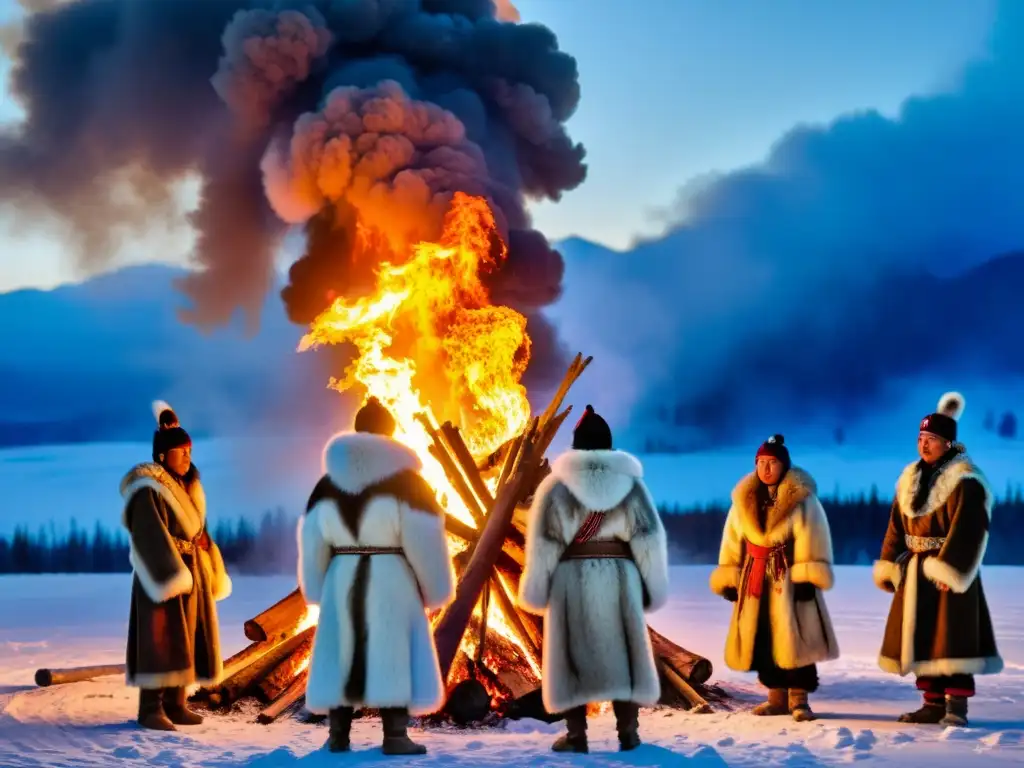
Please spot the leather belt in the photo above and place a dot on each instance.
(919, 545)
(341, 551)
(592, 550)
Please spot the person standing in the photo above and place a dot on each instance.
(374, 556)
(178, 577)
(939, 627)
(596, 561)
(775, 561)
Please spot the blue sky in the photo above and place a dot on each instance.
(673, 89)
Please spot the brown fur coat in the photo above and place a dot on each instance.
(802, 632)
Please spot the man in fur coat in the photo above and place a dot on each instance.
(179, 574)
(596, 561)
(939, 626)
(774, 563)
(373, 555)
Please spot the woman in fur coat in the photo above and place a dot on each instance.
(179, 575)
(596, 561)
(373, 555)
(775, 560)
(939, 625)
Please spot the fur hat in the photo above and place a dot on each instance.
(591, 432)
(775, 446)
(375, 418)
(942, 423)
(169, 432)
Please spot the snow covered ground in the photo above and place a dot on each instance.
(77, 620)
(50, 485)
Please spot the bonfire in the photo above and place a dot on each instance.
(448, 364)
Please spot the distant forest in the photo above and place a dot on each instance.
(858, 525)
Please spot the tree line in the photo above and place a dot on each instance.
(858, 524)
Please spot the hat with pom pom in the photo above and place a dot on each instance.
(942, 423)
(774, 446)
(591, 432)
(169, 433)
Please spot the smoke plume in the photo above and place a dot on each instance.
(356, 119)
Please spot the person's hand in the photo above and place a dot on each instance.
(803, 592)
(941, 587)
(731, 594)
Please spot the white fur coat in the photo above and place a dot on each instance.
(596, 645)
(401, 661)
(802, 632)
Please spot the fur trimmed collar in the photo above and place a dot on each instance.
(947, 478)
(794, 489)
(357, 460)
(599, 480)
(188, 504)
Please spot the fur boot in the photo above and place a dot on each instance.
(575, 737)
(151, 710)
(931, 713)
(798, 705)
(340, 729)
(176, 708)
(956, 712)
(777, 704)
(627, 723)
(396, 733)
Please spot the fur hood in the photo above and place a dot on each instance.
(960, 467)
(356, 460)
(188, 504)
(599, 480)
(796, 487)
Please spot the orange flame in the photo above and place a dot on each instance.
(430, 333)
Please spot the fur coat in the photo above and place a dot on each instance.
(373, 645)
(930, 632)
(179, 574)
(802, 632)
(596, 644)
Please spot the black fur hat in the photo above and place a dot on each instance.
(374, 417)
(591, 432)
(169, 432)
(942, 423)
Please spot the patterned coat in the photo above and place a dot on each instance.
(802, 632)
(931, 632)
(179, 574)
(373, 645)
(596, 644)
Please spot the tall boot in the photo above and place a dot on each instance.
(340, 729)
(627, 722)
(931, 713)
(777, 704)
(956, 712)
(176, 708)
(151, 710)
(575, 737)
(396, 733)
(799, 707)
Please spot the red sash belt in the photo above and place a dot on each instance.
(770, 561)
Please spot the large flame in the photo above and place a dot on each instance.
(429, 333)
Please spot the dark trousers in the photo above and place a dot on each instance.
(937, 688)
(769, 674)
(626, 713)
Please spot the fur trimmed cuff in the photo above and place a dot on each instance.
(220, 581)
(817, 572)
(650, 553)
(181, 583)
(887, 575)
(723, 577)
(940, 572)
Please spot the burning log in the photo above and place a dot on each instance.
(241, 682)
(48, 677)
(291, 695)
(453, 437)
(275, 682)
(695, 701)
(691, 667)
(280, 621)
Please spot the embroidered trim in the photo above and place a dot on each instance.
(921, 544)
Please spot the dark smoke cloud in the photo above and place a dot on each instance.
(357, 119)
(774, 296)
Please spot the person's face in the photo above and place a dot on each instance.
(179, 460)
(931, 447)
(769, 470)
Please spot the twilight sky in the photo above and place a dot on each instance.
(672, 89)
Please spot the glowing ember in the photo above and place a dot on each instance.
(430, 334)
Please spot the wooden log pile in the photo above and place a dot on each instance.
(497, 491)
